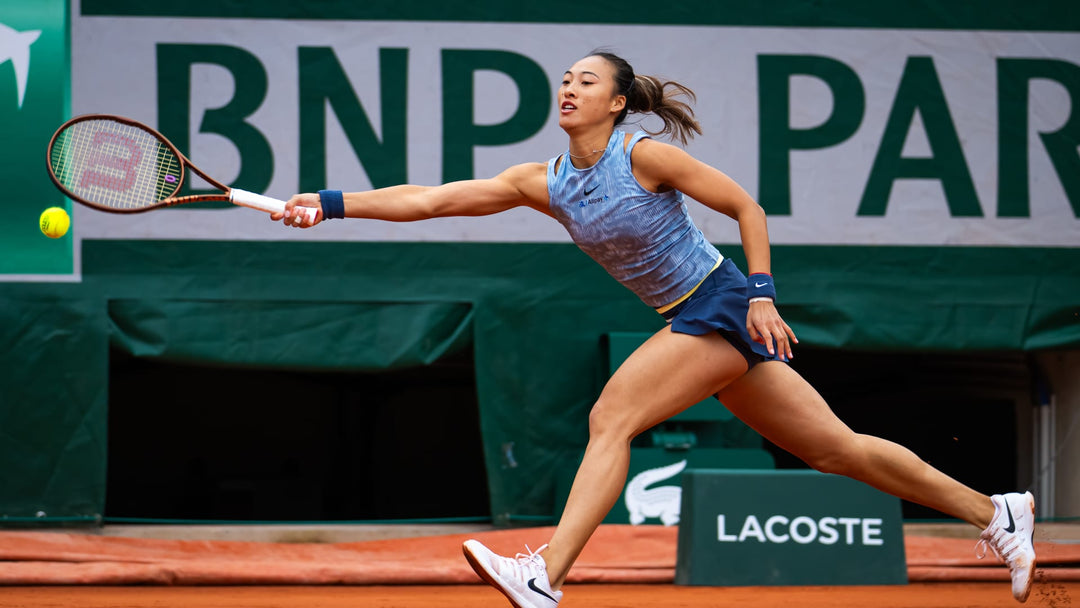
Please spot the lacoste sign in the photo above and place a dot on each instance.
(786, 527)
(804, 530)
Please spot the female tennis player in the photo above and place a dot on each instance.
(620, 196)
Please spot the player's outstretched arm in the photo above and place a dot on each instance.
(520, 185)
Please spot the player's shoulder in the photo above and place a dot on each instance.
(657, 158)
(652, 147)
(529, 179)
(525, 173)
(528, 169)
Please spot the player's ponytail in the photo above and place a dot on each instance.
(650, 95)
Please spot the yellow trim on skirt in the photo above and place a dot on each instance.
(681, 299)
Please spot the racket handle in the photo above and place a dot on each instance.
(265, 203)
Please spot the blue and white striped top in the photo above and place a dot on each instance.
(645, 240)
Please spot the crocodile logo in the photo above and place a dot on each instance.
(664, 502)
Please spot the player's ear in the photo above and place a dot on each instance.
(618, 104)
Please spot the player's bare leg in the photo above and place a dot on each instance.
(781, 406)
(774, 400)
(666, 375)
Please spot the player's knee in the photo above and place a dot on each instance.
(832, 463)
(601, 418)
(608, 420)
(839, 458)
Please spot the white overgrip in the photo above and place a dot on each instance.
(265, 203)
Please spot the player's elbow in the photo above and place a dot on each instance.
(748, 210)
(457, 199)
(436, 205)
(421, 203)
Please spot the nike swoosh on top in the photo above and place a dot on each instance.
(1012, 524)
(590, 191)
(532, 585)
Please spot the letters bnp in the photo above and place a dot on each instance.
(323, 88)
(803, 530)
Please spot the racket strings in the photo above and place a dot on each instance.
(115, 165)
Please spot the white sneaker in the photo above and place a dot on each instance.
(1009, 536)
(523, 579)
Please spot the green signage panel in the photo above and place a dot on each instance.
(34, 79)
(789, 527)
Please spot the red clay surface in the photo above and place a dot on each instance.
(938, 595)
(615, 555)
(622, 566)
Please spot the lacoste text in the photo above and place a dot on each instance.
(805, 530)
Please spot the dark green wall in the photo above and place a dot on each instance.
(535, 315)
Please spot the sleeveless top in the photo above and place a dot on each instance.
(645, 240)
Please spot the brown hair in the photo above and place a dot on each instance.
(650, 95)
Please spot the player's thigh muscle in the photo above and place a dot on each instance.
(778, 403)
(665, 375)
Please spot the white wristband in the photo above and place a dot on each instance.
(761, 299)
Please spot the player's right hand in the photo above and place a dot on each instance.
(299, 220)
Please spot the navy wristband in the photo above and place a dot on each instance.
(760, 285)
(333, 204)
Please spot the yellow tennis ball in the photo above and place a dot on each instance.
(54, 222)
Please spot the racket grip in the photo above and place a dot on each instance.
(266, 203)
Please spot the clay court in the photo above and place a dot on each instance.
(621, 566)
(939, 595)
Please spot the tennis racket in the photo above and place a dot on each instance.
(119, 165)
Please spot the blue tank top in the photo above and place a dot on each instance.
(645, 240)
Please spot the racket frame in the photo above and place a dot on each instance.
(228, 194)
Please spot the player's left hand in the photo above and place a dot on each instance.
(766, 327)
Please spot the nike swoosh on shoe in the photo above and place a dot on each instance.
(1012, 524)
(532, 585)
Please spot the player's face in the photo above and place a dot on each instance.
(587, 95)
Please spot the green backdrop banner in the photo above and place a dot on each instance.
(292, 335)
(536, 315)
(53, 397)
(981, 228)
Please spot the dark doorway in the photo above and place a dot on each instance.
(194, 442)
(957, 411)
